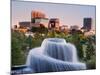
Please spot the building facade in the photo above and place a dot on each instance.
(54, 23)
(74, 27)
(24, 24)
(38, 18)
(87, 24)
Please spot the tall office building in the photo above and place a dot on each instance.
(54, 23)
(39, 18)
(87, 23)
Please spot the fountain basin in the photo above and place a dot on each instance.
(42, 63)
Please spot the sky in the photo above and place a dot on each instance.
(67, 13)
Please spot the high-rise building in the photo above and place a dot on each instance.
(54, 23)
(87, 24)
(38, 18)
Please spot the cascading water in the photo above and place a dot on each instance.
(54, 55)
(59, 49)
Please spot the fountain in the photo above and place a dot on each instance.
(54, 55)
(59, 49)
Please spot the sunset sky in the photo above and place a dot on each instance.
(68, 14)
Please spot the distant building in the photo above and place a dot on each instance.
(22, 26)
(15, 26)
(74, 27)
(75, 30)
(38, 18)
(39, 22)
(54, 23)
(89, 33)
(64, 27)
(24, 30)
(37, 14)
(87, 24)
(25, 24)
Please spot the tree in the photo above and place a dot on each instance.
(29, 41)
(17, 43)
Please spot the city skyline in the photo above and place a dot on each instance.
(67, 13)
